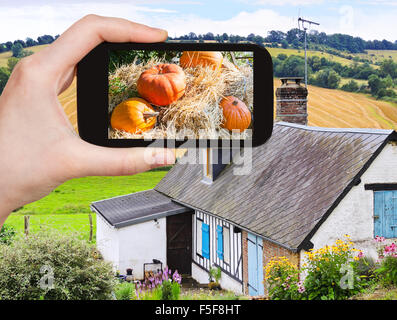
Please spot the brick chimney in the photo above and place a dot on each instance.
(291, 101)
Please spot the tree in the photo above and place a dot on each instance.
(9, 45)
(209, 36)
(30, 42)
(11, 63)
(45, 39)
(375, 84)
(388, 67)
(284, 44)
(16, 50)
(351, 86)
(4, 75)
(292, 35)
(327, 78)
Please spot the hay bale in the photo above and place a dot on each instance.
(197, 111)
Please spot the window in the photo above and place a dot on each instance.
(226, 245)
(385, 213)
(205, 244)
(199, 237)
(223, 243)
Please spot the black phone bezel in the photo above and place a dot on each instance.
(92, 92)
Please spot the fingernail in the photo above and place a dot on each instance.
(163, 158)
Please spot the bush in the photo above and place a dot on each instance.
(282, 278)
(327, 78)
(53, 266)
(351, 86)
(125, 291)
(7, 233)
(332, 272)
(387, 272)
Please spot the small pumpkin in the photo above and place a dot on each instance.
(162, 84)
(134, 115)
(213, 59)
(236, 114)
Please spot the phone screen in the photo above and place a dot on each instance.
(154, 94)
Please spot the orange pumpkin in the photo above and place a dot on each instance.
(133, 115)
(162, 84)
(236, 114)
(201, 58)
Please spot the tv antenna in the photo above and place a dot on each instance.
(305, 24)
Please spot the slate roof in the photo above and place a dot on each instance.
(136, 207)
(298, 177)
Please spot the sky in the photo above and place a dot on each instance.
(368, 19)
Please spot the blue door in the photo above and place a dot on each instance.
(255, 266)
(385, 213)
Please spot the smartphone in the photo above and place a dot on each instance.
(132, 94)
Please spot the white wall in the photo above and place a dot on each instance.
(107, 241)
(141, 243)
(200, 275)
(226, 282)
(354, 214)
(229, 283)
(132, 246)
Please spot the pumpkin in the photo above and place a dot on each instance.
(236, 114)
(213, 59)
(162, 84)
(134, 115)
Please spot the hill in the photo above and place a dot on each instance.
(8, 54)
(326, 107)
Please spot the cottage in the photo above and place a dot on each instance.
(308, 187)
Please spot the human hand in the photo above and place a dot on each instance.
(39, 149)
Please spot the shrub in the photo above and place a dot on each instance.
(7, 233)
(332, 272)
(387, 272)
(125, 291)
(282, 278)
(215, 274)
(53, 266)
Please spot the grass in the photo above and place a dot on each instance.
(75, 196)
(64, 223)
(211, 295)
(376, 292)
(378, 55)
(274, 52)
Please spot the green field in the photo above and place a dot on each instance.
(65, 223)
(67, 208)
(75, 196)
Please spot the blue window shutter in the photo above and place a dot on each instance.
(219, 249)
(205, 228)
(385, 213)
(378, 213)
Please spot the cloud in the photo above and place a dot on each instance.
(33, 21)
(288, 2)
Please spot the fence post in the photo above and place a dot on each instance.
(90, 218)
(26, 224)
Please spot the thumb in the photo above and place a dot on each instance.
(93, 160)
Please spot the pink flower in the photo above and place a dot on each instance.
(379, 239)
(360, 254)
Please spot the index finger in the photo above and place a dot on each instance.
(88, 32)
